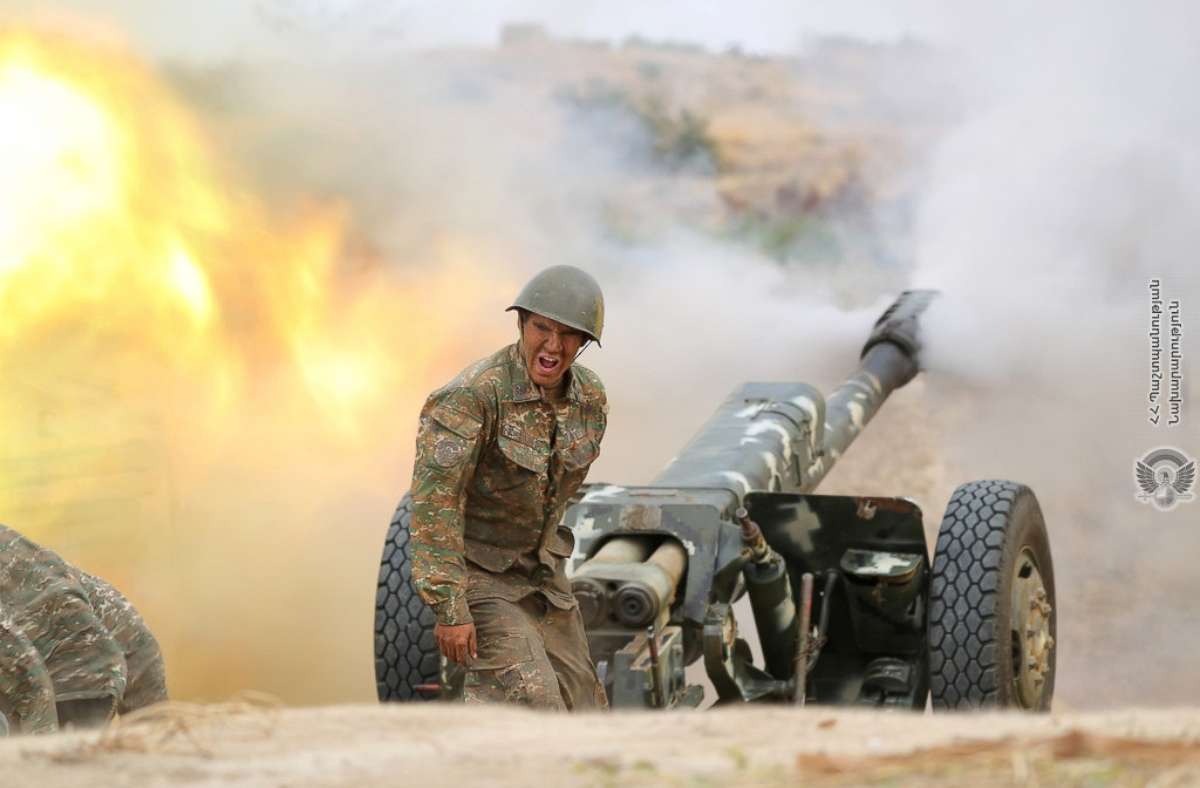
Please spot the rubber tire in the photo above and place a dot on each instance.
(406, 654)
(986, 527)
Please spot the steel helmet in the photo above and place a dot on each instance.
(566, 294)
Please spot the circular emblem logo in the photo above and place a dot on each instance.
(448, 452)
(1165, 477)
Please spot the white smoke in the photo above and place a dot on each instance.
(1073, 181)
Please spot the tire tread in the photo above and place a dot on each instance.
(405, 651)
(963, 595)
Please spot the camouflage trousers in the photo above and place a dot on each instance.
(532, 654)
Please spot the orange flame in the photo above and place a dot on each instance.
(186, 370)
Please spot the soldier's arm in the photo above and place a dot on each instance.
(449, 441)
(597, 397)
(602, 416)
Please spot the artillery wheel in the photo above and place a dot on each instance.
(406, 655)
(992, 619)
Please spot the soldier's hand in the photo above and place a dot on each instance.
(456, 642)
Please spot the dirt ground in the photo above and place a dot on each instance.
(248, 744)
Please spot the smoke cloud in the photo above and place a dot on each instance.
(1071, 184)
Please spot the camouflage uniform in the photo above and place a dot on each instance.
(65, 630)
(26, 691)
(495, 467)
(145, 676)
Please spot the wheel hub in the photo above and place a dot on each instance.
(1032, 644)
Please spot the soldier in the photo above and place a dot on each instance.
(73, 650)
(500, 450)
(26, 691)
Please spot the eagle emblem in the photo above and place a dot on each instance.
(1164, 478)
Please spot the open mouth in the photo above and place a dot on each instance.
(546, 363)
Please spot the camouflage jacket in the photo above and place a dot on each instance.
(64, 629)
(26, 691)
(495, 467)
(145, 675)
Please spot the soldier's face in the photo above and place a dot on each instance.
(549, 348)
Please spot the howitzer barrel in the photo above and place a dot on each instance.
(764, 438)
(786, 436)
(889, 360)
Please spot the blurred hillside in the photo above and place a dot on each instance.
(812, 159)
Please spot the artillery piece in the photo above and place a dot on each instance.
(847, 605)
